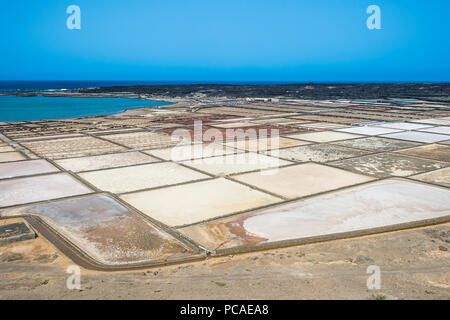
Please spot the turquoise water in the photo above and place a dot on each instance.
(13, 108)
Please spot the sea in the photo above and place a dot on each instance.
(18, 108)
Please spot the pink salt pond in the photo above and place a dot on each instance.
(106, 231)
(376, 204)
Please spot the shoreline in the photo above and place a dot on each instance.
(200, 96)
(118, 113)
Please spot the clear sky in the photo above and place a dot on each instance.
(256, 40)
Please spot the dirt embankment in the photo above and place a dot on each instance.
(414, 264)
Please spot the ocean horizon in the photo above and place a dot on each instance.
(62, 85)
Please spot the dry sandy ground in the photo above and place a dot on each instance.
(415, 264)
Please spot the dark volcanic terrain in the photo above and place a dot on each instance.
(305, 91)
(439, 92)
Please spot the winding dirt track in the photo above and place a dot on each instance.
(76, 255)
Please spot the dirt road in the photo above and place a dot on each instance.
(415, 264)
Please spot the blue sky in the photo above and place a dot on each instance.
(264, 40)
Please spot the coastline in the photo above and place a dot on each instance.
(123, 110)
(194, 96)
